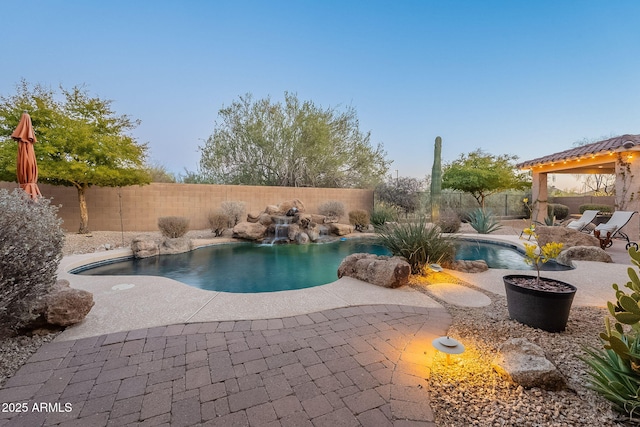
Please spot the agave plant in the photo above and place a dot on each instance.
(420, 243)
(484, 222)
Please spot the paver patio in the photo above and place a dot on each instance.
(361, 365)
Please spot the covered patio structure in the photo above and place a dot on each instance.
(619, 155)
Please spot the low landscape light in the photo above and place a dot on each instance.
(448, 346)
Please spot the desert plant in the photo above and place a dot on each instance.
(557, 210)
(218, 221)
(31, 241)
(615, 370)
(537, 256)
(604, 209)
(382, 213)
(418, 242)
(235, 211)
(436, 180)
(449, 221)
(484, 222)
(359, 218)
(173, 226)
(332, 209)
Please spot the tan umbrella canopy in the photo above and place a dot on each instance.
(27, 166)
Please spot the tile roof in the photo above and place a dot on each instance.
(612, 144)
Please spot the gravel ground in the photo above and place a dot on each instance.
(466, 393)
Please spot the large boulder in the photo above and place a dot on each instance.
(524, 363)
(318, 219)
(389, 272)
(286, 206)
(583, 253)
(175, 246)
(144, 247)
(567, 236)
(468, 266)
(249, 230)
(65, 306)
(340, 229)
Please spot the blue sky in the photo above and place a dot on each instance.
(527, 78)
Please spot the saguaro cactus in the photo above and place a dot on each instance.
(436, 180)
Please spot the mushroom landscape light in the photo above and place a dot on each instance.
(448, 346)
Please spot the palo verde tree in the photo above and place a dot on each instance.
(293, 144)
(81, 141)
(482, 174)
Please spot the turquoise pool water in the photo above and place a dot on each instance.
(247, 267)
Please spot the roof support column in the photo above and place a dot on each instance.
(539, 196)
(627, 196)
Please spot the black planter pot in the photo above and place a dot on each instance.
(546, 310)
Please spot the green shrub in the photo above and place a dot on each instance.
(333, 209)
(383, 213)
(218, 221)
(557, 210)
(173, 226)
(235, 211)
(484, 222)
(615, 370)
(418, 242)
(31, 242)
(604, 209)
(359, 218)
(449, 221)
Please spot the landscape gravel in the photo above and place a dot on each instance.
(467, 392)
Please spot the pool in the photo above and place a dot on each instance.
(248, 267)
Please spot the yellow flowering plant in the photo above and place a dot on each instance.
(537, 256)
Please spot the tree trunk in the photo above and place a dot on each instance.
(84, 214)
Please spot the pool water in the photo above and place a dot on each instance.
(247, 267)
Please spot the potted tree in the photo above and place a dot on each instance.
(538, 301)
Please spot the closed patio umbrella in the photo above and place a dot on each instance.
(27, 167)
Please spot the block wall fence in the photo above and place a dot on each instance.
(141, 206)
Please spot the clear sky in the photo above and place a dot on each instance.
(526, 78)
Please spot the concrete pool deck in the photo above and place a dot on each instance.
(154, 351)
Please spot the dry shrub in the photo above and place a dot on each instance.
(218, 221)
(173, 226)
(31, 241)
(332, 209)
(359, 218)
(235, 211)
(449, 221)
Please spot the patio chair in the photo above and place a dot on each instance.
(612, 229)
(581, 223)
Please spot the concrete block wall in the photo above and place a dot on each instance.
(141, 206)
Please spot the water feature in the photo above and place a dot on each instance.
(280, 230)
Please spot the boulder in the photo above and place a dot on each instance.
(294, 231)
(265, 219)
(175, 246)
(318, 219)
(304, 220)
(524, 363)
(249, 230)
(144, 247)
(567, 236)
(288, 205)
(389, 272)
(302, 239)
(340, 229)
(469, 266)
(65, 306)
(583, 253)
(313, 231)
(272, 210)
(253, 217)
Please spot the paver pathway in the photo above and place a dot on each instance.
(363, 365)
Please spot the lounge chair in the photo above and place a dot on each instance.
(581, 223)
(612, 229)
